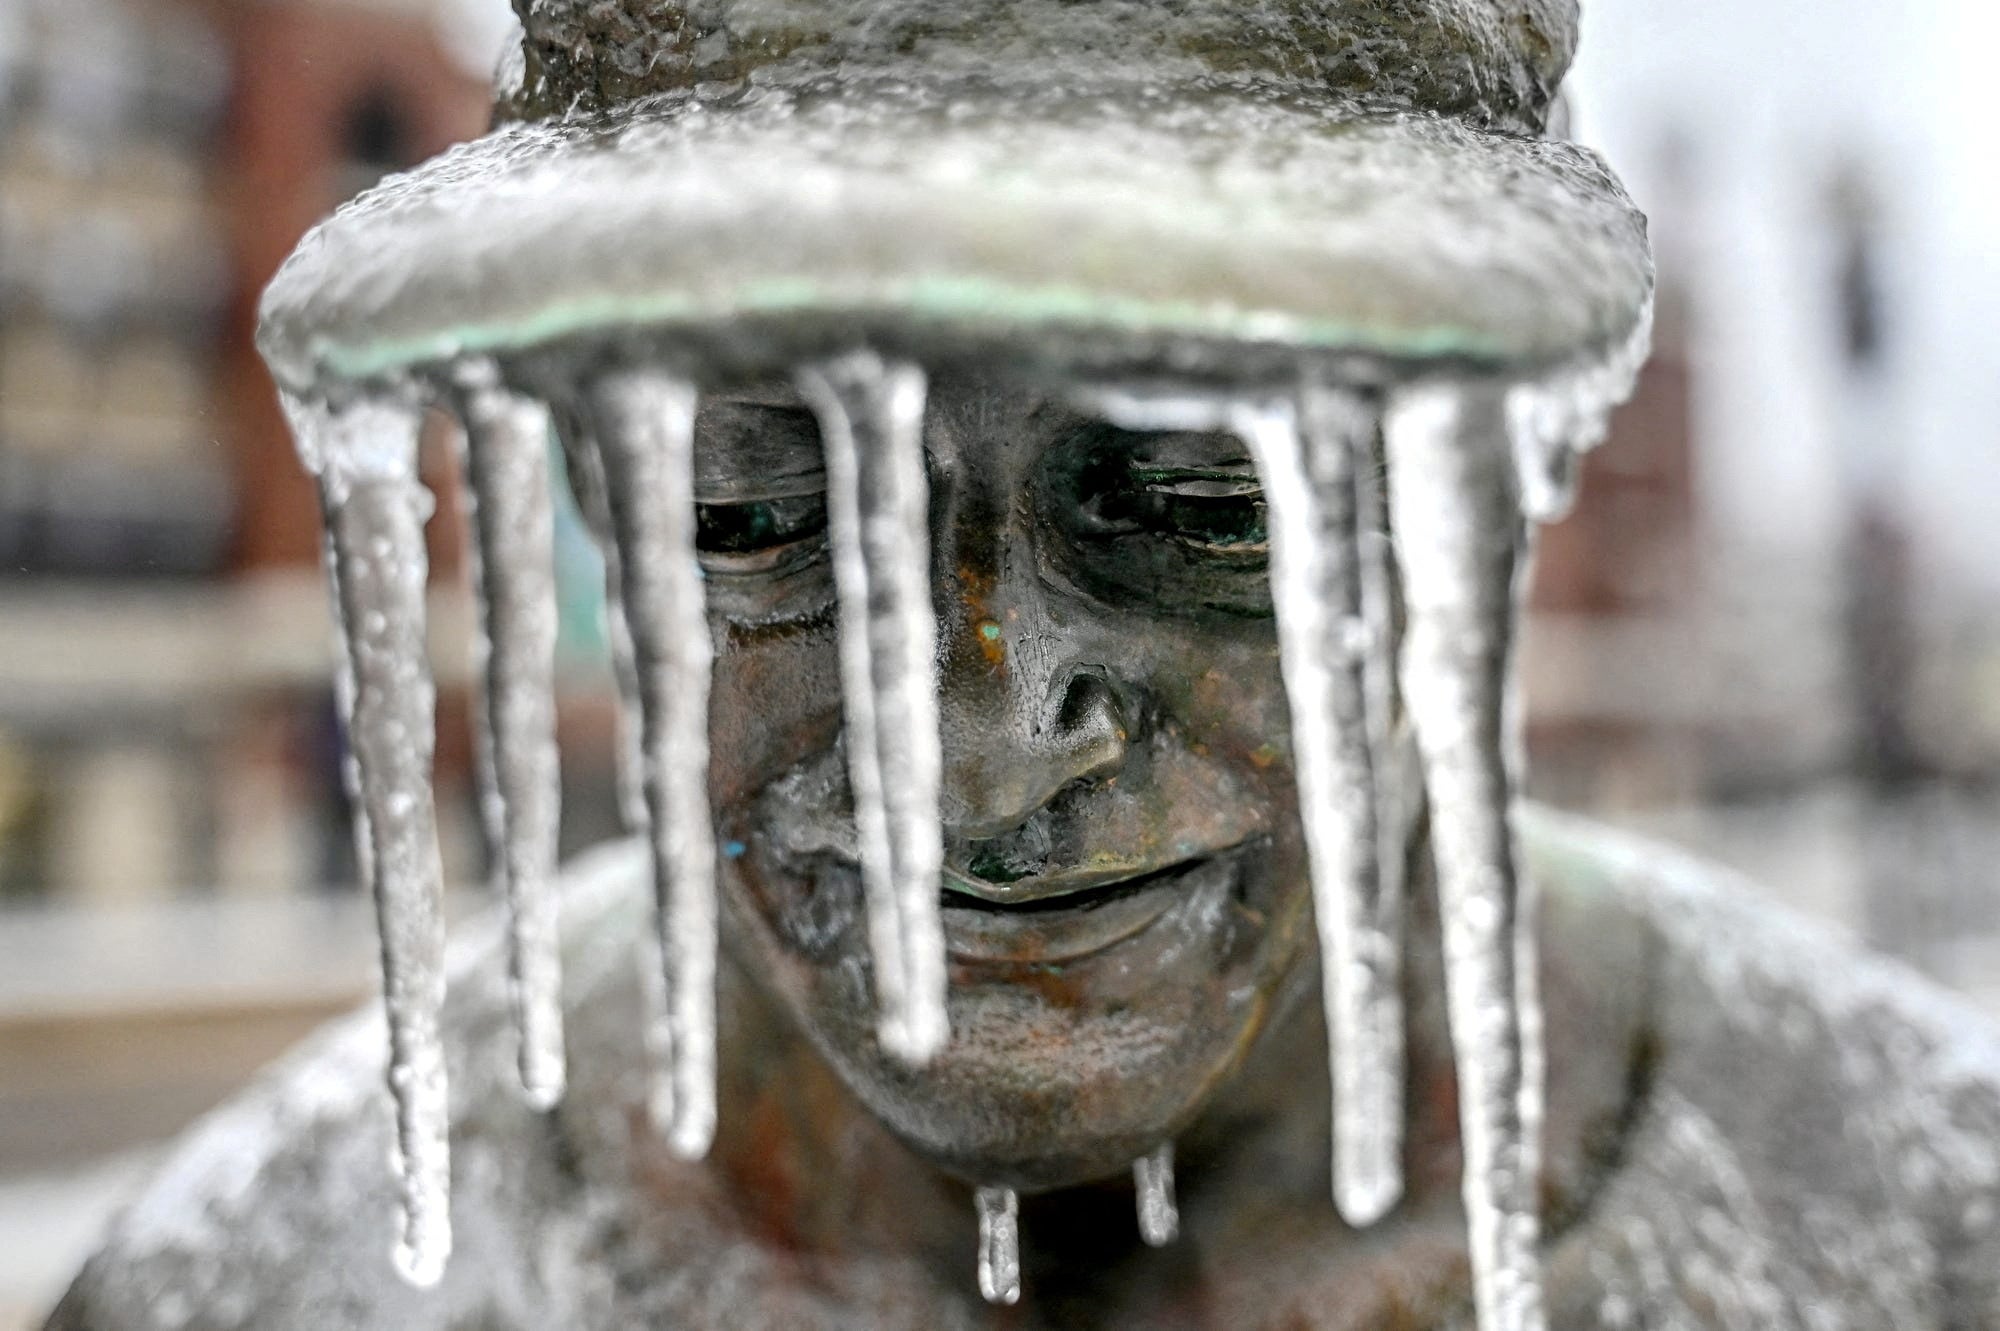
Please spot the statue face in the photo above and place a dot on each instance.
(1125, 902)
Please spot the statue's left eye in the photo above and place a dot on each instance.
(747, 535)
(1219, 510)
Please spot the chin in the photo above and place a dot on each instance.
(1086, 1029)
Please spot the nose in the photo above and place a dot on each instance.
(1017, 734)
(1019, 716)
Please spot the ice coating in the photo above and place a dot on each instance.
(645, 425)
(999, 1245)
(1159, 1213)
(1307, 456)
(512, 520)
(1389, 754)
(1458, 529)
(585, 467)
(1555, 419)
(375, 508)
(1315, 457)
(1071, 223)
(871, 416)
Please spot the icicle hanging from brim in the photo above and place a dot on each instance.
(1458, 536)
(585, 466)
(999, 1245)
(1315, 459)
(375, 509)
(871, 419)
(1555, 420)
(1159, 1211)
(645, 427)
(1308, 458)
(505, 456)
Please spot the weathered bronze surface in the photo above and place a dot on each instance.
(1726, 1099)
(1739, 1132)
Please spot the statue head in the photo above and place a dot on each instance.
(1124, 889)
(1063, 471)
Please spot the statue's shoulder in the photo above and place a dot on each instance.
(1813, 1131)
(278, 1209)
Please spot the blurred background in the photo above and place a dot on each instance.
(1770, 632)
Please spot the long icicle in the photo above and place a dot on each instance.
(506, 463)
(1159, 1211)
(1457, 524)
(375, 508)
(999, 1245)
(585, 466)
(871, 418)
(1388, 755)
(1306, 460)
(646, 437)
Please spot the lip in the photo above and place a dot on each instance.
(1077, 915)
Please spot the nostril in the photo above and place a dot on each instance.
(1089, 710)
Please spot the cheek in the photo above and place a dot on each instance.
(1223, 688)
(775, 702)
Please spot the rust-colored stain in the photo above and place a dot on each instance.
(974, 589)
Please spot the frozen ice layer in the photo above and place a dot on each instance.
(1555, 418)
(871, 416)
(645, 434)
(1159, 1212)
(505, 455)
(375, 508)
(1459, 537)
(1308, 455)
(1061, 227)
(999, 1245)
(585, 467)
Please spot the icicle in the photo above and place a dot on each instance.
(871, 418)
(1554, 421)
(1308, 471)
(1456, 525)
(585, 466)
(375, 509)
(1159, 1215)
(646, 424)
(999, 1245)
(505, 456)
(1388, 756)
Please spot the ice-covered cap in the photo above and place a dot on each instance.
(1213, 186)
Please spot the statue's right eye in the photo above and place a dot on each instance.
(752, 535)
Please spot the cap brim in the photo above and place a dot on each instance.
(1114, 229)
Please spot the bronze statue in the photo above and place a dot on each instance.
(1064, 469)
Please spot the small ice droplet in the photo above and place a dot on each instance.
(1159, 1214)
(646, 439)
(1458, 533)
(871, 418)
(374, 509)
(512, 556)
(999, 1245)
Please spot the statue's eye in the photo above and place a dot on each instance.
(1217, 509)
(758, 534)
(1172, 521)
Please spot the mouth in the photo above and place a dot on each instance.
(1069, 917)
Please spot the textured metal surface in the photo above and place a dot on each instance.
(1122, 230)
(1491, 62)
